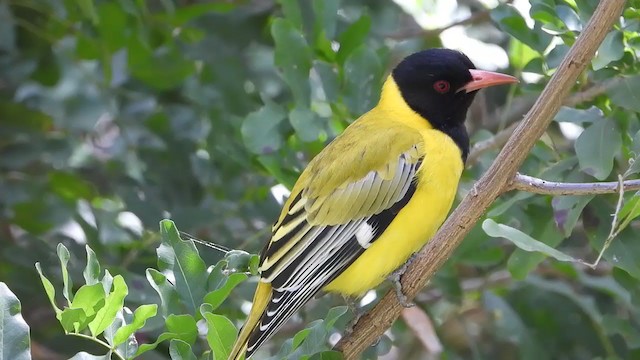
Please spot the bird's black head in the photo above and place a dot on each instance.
(440, 84)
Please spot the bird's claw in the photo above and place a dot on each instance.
(357, 314)
(395, 280)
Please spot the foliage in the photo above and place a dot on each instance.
(117, 114)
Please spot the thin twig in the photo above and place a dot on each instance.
(539, 186)
(99, 342)
(614, 223)
(494, 142)
(492, 184)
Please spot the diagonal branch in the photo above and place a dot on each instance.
(492, 184)
(538, 186)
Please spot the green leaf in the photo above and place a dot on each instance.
(299, 337)
(306, 124)
(556, 55)
(67, 284)
(129, 347)
(217, 297)
(182, 327)
(49, 290)
(146, 64)
(89, 298)
(634, 167)
(333, 315)
(567, 210)
(69, 186)
(611, 49)
(629, 211)
(585, 303)
(186, 13)
(113, 27)
(72, 320)
(273, 164)
(507, 323)
(521, 263)
(107, 282)
(626, 93)
(18, 118)
(579, 116)
(113, 303)
(183, 259)
(260, 129)
(217, 276)
(596, 148)
(353, 37)
(326, 12)
(293, 56)
(362, 75)
(239, 261)
(169, 300)
(614, 325)
(510, 20)
(140, 316)
(569, 17)
(327, 355)
(329, 78)
(520, 54)
(292, 13)
(14, 332)
(89, 10)
(221, 335)
(315, 339)
(86, 356)
(180, 350)
(523, 241)
(91, 272)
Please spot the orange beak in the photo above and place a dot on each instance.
(483, 79)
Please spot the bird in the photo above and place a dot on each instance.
(373, 196)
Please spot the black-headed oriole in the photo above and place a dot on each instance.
(374, 196)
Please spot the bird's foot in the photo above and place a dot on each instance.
(352, 303)
(474, 190)
(395, 280)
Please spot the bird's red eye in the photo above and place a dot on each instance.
(441, 86)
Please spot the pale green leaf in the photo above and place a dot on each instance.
(596, 148)
(221, 335)
(140, 316)
(523, 241)
(113, 303)
(15, 343)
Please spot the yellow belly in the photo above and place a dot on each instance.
(415, 224)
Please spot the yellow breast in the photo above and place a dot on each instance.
(415, 224)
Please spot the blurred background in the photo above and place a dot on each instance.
(117, 114)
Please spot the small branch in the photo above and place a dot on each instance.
(493, 142)
(592, 92)
(614, 223)
(95, 339)
(492, 184)
(539, 186)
